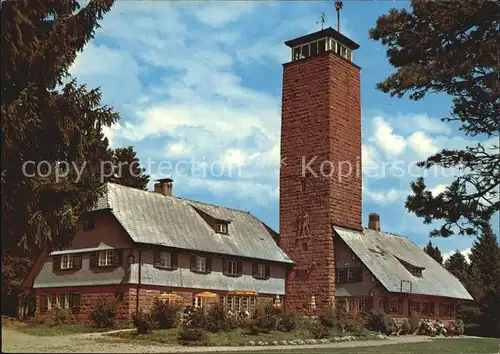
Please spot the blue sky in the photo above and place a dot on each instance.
(201, 82)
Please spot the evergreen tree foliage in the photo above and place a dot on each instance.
(457, 265)
(451, 47)
(434, 252)
(485, 281)
(128, 170)
(49, 121)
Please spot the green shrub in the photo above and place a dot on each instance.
(233, 321)
(143, 322)
(406, 326)
(378, 321)
(286, 323)
(60, 316)
(104, 316)
(197, 319)
(329, 318)
(191, 336)
(165, 314)
(318, 331)
(354, 325)
(414, 323)
(216, 319)
(459, 327)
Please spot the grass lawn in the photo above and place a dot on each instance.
(233, 338)
(44, 330)
(440, 346)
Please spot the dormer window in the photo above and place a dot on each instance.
(417, 272)
(221, 228)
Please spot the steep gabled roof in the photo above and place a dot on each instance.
(153, 218)
(384, 254)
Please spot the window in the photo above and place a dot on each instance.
(417, 272)
(393, 306)
(201, 264)
(165, 259)
(119, 295)
(222, 228)
(321, 46)
(61, 301)
(88, 222)
(67, 261)
(425, 309)
(361, 304)
(305, 51)
(232, 267)
(238, 303)
(350, 304)
(349, 275)
(107, 258)
(260, 271)
(314, 48)
(342, 276)
(197, 302)
(446, 310)
(296, 53)
(343, 51)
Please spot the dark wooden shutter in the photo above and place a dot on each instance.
(208, 265)
(56, 262)
(254, 269)
(359, 274)
(268, 271)
(175, 260)
(193, 263)
(76, 300)
(118, 257)
(156, 259)
(94, 256)
(77, 261)
(240, 268)
(43, 303)
(224, 266)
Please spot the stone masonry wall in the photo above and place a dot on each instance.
(321, 122)
(90, 299)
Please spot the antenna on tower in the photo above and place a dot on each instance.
(338, 6)
(322, 20)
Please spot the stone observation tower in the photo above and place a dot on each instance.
(320, 177)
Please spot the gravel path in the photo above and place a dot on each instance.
(14, 341)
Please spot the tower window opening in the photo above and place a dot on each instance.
(322, 46)
(305, 51)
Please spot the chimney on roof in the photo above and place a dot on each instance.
(164, 186)
(374, 221)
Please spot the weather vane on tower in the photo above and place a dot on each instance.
(322, 20)
(338, 6)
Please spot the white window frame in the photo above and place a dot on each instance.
(197, 302)
(344, 271)
(361, 304)
(201, 263)
(222, 228)
(350, 304)
(166, 259)
(261, 270)
(67, 261)
(106, 258)
(350, 275)
(232, 267)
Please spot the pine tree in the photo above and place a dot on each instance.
(451, 47)
(48, 121)
(434, 252)
(485, 280)
(128, 170)
(457, 265)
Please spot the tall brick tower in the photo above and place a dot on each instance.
(320, 177)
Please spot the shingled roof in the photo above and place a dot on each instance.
(384, 255)
(153, 218)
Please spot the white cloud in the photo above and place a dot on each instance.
(109, 132)
(384, 137)
(422, 144)
(465, 252)
(219, 14)
(431, 125)
(381, 197)
(440, 188)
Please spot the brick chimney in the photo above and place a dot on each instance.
(164, 186)
(374, 221)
